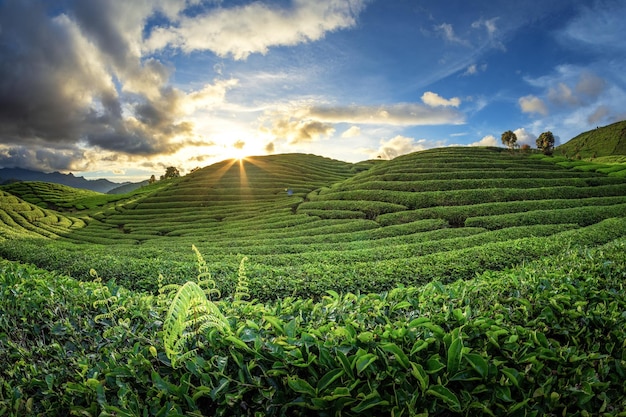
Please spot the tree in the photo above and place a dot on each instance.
(170, 172)
(545, 142)
(509, 139)
(152, 179)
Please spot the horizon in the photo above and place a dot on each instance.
(120, 90)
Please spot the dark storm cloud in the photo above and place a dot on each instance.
(58, 76)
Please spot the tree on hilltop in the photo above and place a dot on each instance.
(509, 139)
(170, 172)
(545, 142)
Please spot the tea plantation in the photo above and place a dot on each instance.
(453, 281)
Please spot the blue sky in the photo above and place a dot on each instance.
(124, 88)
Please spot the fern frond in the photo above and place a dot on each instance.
(204, 278)
(189, 315)
(242, 290)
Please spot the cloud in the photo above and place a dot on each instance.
(598, 26)
(435, 100)
(352, 132)
(296, 131)
(590, 85)
(399, 114)
(492, 31)
(525, 138)
(240, 31)
(599, 114)
(488, 140)
(396, 146)
(77, 81)
(239, 144)
(475, 69)
(42, 159)
(562, 95)
(532, 104)
(447, 32)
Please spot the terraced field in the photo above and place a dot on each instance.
(309, 224)
(449, 282)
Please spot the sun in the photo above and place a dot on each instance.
(237, 150)
(237, 154)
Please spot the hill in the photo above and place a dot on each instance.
(454, 281)
(310, 224)
(9, 175)
(606, 141)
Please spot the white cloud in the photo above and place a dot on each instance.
(396, 146)
(447, 32)
(598, 26)
(255, 27)
(492, 31)
(352, 132)
(532, 104)
(562, 95)
(488, 140)
(435, 100)
(525, 138)
(475, 69)
(489, 25)
(209, 96)
(400, 114)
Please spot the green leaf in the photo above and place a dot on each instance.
(478, 363)
(419, 345)
(421, 376)
(400, 356)
(328, 379)
(372, 400)
(301, 386)
(345, 363)
(364, 361)
(238, 342)
(455, 352)
(434, 364)
(447, 396)
(512, 375)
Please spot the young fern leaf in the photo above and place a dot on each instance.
(242, 290)
(204, 278)
(189, 316)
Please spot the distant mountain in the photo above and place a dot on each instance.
(127, 187)
(599, 142)
(9, 175)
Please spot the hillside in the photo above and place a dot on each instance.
(309, 224)
(606, 141)
(449, 282)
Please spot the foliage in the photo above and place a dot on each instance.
(545, 142)
(509, 139)
(170, 172)
(454, 281)
(545, 338)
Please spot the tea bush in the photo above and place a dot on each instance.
(545, 338)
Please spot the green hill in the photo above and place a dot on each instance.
(606, 141)
(448, 282)
(310, 224)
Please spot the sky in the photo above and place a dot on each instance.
(122, 89)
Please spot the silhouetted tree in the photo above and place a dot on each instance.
(152, 179)
(545, 142)
(509, 139)
(170, 172)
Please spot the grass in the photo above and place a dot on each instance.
(461, 236)
(606, 141)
